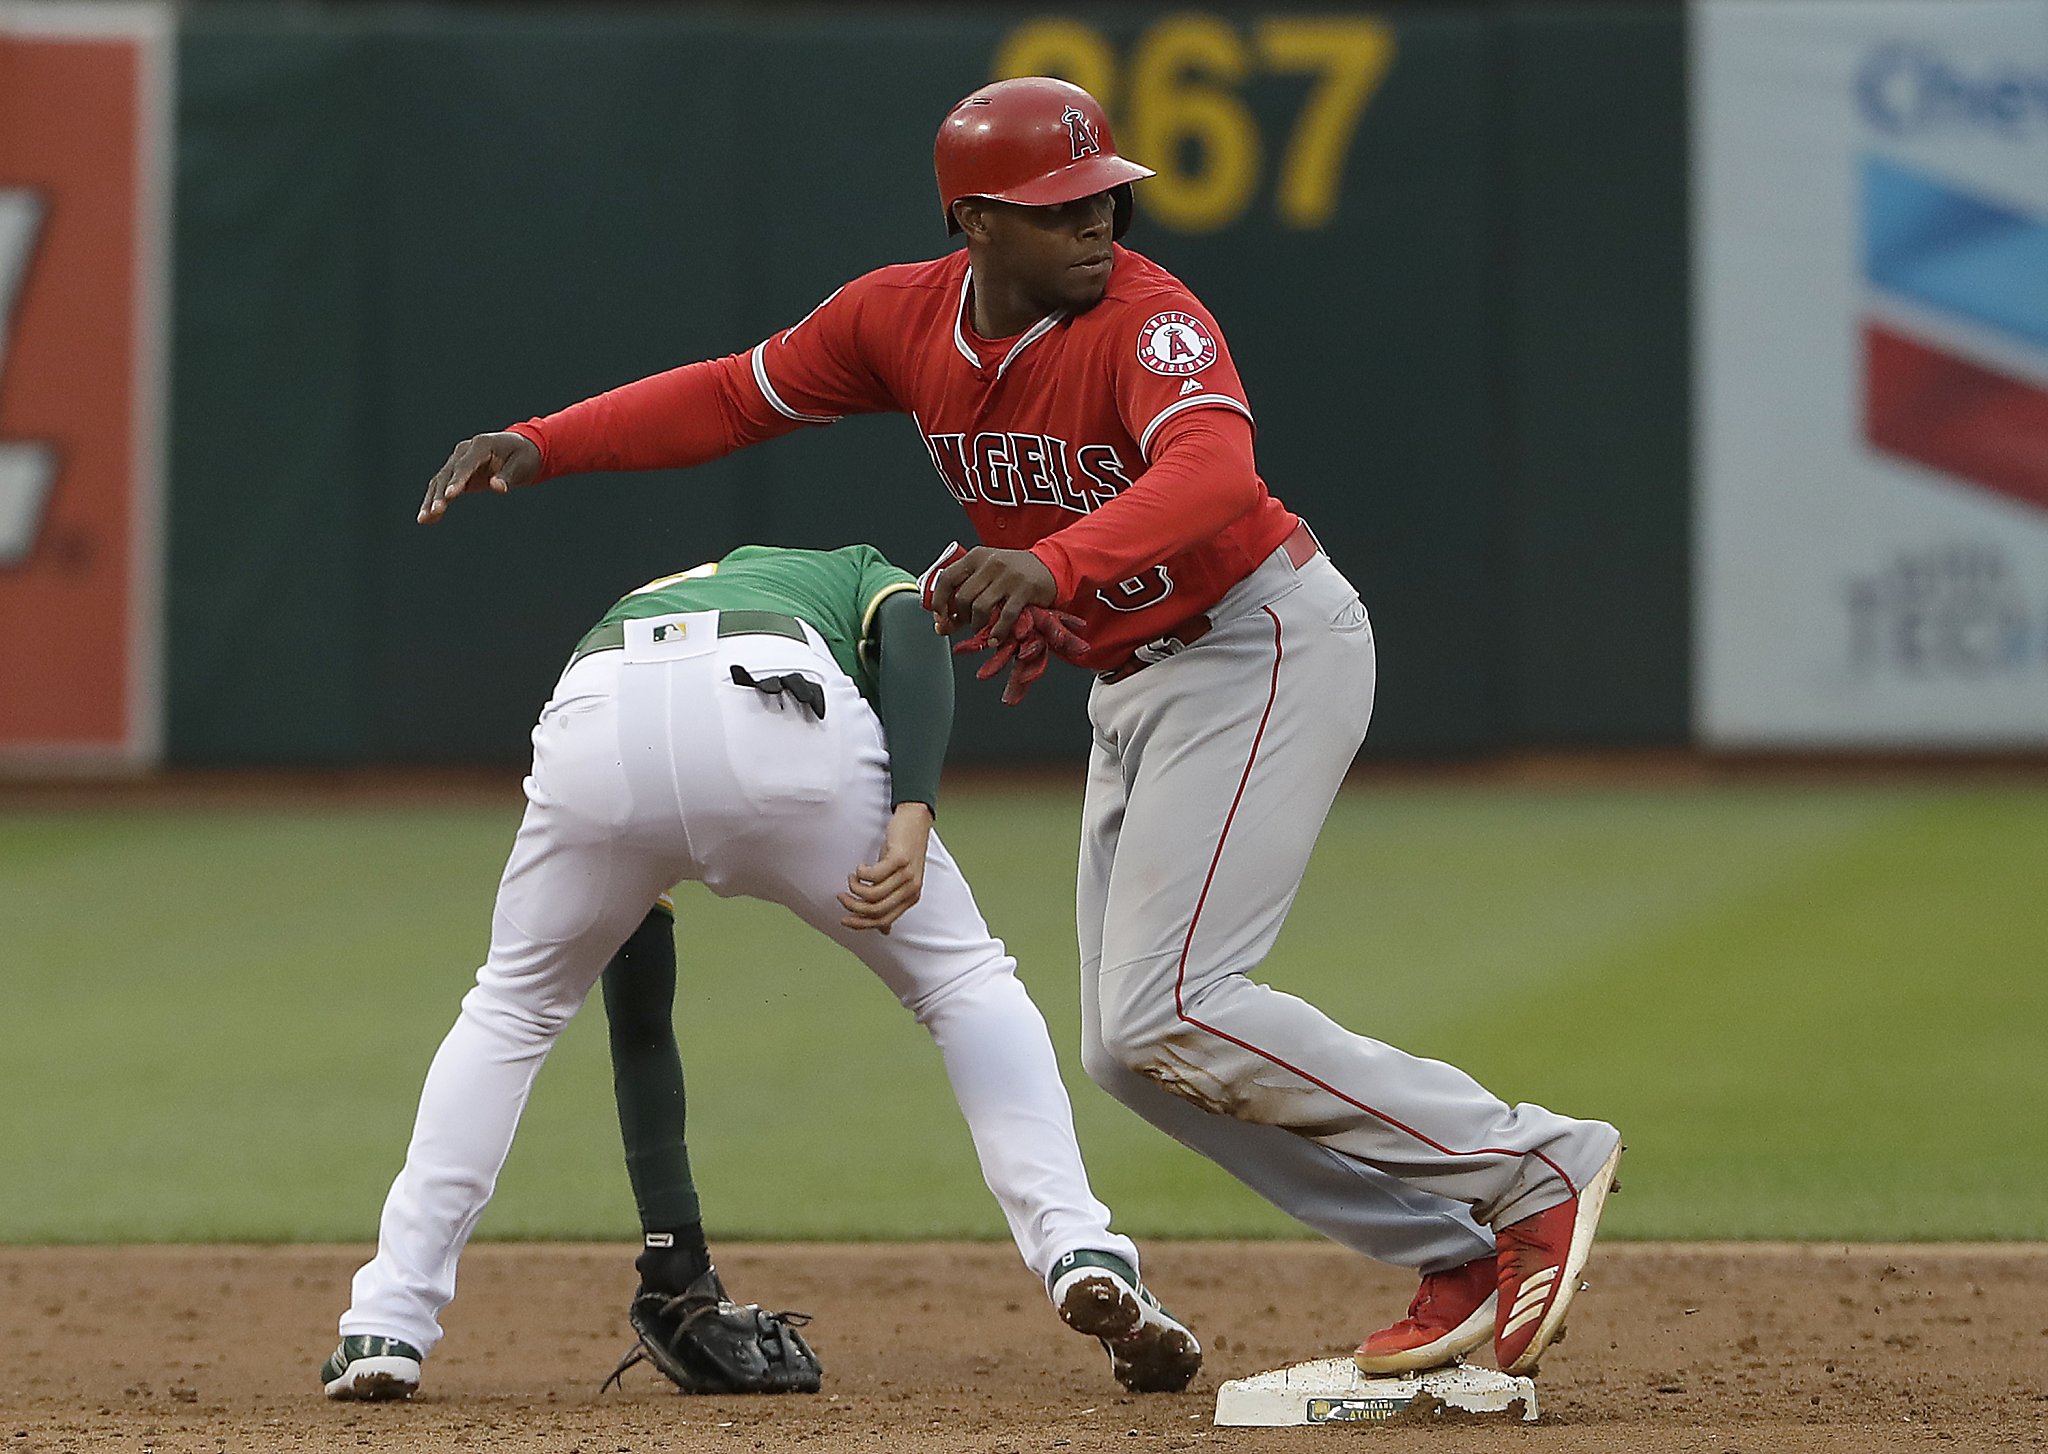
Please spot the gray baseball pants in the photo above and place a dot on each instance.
(1211, 774)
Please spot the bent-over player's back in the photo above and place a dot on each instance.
(836, 591)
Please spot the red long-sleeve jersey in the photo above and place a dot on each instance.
(1115, 443)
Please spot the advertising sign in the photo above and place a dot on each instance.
(1871, 275)
(84, 107)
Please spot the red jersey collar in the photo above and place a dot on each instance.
(1028, 337)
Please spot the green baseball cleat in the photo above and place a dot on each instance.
(372, 1369)
(1150, 1351)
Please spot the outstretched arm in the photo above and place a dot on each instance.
(687, 416)
(811, 373)
(499, 462)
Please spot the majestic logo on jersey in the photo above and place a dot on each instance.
(1175, 344)
(1027, 469)
(1081, 132)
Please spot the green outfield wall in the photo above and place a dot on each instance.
(1446, 245)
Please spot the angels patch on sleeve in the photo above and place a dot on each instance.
(1175, 344)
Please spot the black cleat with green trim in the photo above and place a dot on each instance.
(372, 1369)
(1098, 1293)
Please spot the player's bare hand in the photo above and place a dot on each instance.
(989, 587)
(497, 462)
(879, 893)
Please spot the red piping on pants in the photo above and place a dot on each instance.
(1180, 977)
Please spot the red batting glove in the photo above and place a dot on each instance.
(1040, 634)
(1060, 630)
(1051, 633)
(979, 641)
(1031, 661)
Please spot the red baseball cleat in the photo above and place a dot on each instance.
(1452, 1314)
(1541, 1258)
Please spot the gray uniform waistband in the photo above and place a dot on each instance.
(1276, 575)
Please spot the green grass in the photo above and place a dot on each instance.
(1815, 1014)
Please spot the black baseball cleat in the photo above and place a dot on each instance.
(1150, 1350)
(371, 1369)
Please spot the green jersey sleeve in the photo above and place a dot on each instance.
(914, 697)
(879, 580)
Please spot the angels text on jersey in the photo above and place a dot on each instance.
(1010, 467)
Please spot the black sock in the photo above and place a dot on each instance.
(670, 1260)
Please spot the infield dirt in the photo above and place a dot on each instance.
(1703, 1349)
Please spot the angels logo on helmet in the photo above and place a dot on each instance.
(1081, 132)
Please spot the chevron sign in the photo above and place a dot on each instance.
(1955, 343)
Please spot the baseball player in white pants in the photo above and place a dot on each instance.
(685, 752)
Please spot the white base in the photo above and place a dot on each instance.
(1333, 1391)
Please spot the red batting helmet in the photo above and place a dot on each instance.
(1035, 141)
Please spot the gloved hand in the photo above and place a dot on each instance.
(1041, 633)
(703, 1342)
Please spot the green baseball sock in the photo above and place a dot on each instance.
(647, 1081)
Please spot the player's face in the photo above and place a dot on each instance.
(1060, 256)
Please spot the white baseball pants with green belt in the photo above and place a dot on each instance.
(652, 766)
(1211, 774)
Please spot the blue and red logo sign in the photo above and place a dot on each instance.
(1967, 392)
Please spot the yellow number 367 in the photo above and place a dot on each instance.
(1177, 106)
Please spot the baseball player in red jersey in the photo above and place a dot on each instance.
(1079, 402)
